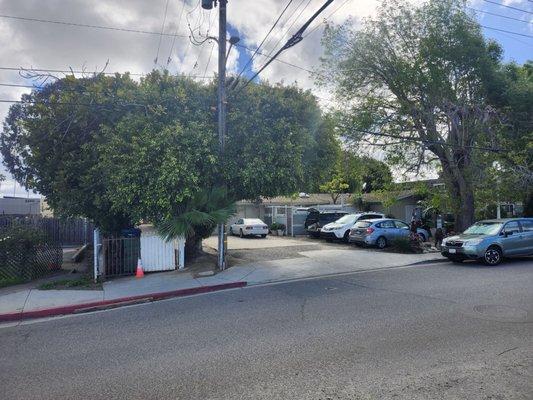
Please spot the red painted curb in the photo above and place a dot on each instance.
(72, 309)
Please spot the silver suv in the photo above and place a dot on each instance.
(491, 240)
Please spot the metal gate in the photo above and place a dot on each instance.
(120, 256)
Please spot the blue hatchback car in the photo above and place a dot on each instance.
(491, 240)
(381, 232)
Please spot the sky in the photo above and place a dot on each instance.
(32, 44)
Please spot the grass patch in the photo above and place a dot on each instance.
(84, 282)
(10, 281)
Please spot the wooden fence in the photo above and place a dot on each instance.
(71, 231)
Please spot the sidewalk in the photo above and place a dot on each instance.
(30, 302)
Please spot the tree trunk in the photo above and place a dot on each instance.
(462, 195)
(193, 246)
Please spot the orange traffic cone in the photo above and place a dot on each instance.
(139, 273)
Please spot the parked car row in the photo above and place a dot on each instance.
(365, 228)
(488, 241)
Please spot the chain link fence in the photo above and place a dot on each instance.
(26, 254)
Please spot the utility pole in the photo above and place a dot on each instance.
(221, 106)
(221, 115)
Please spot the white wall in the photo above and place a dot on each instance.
(20, 206)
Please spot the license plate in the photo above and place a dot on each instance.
(452, 251)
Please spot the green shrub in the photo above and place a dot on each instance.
(277, 226)
(402, 245)
(26, 253)
(22, 235)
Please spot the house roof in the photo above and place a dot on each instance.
(375, 198)
(311, 199)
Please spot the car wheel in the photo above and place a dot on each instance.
(381, 242)
(231, 231)
(493, 256)
(263, 236)
(346, 237)
(241, 234)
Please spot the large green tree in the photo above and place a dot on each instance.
(415, 81)
(119, 151)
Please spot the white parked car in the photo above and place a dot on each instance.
(249, 227)
(340, 229)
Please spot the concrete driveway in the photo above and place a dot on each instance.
(250, 243)
(272, 259)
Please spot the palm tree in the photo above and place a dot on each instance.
(196, 218)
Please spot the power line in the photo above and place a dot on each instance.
(517, 39)
(175, 32)
(210, 21)
(510, 32)
(162, 30)
(67, 71)
(290, 26)
(110, 28)
(499, 15)
(326, 18)
(294, 40)
(16, 85)
(506, 6)
(264, 39)
(209, 60)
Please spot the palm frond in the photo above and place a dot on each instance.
(203, 211)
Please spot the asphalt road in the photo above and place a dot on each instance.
(437, 331)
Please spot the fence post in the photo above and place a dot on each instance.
(292, 221)
(96, 245)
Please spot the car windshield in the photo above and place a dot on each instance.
(363, 224)
(253, 221)
(329, 217)
(484, 228)
(347, 219)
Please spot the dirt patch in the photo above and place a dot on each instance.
(280, 253)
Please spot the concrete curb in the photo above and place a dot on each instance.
(114, 303)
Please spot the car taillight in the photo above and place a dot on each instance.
(265, 227)
(249, 227)
(369, 230)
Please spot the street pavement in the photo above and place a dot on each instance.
(436, 331)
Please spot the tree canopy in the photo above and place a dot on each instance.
(120, 151)
(417, 81)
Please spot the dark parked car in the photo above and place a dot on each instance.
(317, 219)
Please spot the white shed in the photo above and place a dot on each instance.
(159, 255)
